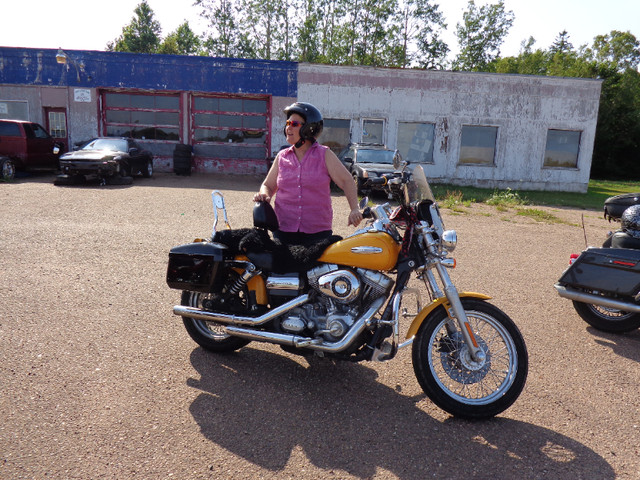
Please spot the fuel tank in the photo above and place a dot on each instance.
(371, 250)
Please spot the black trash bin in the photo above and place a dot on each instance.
(182, 156)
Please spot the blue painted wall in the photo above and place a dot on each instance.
(29, 66)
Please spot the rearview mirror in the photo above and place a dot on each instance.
(398, 163)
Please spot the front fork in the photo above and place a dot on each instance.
(456, 311)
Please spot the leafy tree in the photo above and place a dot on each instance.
(621, 49)
(309, 44)
(183, 41)
(420, 23)
(561, 44)
(142, 35)
(480, 35)
(225, 39)
(267, 21)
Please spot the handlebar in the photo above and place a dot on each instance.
(377, 181)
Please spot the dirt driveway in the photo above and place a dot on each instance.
(98, 379)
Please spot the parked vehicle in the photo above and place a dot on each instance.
(367, 161)
(339, 300)
(110, 159)
(604, 283)
(26, 146)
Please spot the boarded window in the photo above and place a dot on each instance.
(373, 130)
(478, 145)
(562, 148)
(230, 127)
(415, 141)
(142, 116)
(336, 134)
(14, 109)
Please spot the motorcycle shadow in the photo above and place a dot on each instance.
(625, 345)
(261, 406)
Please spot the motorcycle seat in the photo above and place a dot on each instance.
(622, 239)
(268, 254)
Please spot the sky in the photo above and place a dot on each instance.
(82, 25)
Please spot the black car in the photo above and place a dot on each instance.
(367, 160)
(110, 159)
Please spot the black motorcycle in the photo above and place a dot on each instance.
(604, 283)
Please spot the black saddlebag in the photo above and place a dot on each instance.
(197, 266)
(614, 206)
(615, 270)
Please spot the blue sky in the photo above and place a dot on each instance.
(81, 25)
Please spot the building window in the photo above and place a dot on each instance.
(478, 145)
(373, 130)
(14, 109)
(562, 148)
(336, 134)
(142, 116)
(57, 124)
(415, 141)
(230, 127)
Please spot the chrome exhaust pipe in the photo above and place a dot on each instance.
(307, 342)
(200, 314)
(599, 300)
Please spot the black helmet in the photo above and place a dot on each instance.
(312, 117)
(631, 221)
(264, 216)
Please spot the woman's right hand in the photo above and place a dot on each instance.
(261, 197)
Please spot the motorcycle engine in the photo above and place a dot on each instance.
(344, 294)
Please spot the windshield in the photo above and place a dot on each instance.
(375, 156)
(418, 188)
(112, 144)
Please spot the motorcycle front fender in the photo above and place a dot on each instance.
(427, 310)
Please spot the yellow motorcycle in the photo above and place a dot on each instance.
(342, 299)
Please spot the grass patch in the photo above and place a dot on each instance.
(598, 191)
(539, 215)
(454, 200)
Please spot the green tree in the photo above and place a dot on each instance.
(225, 39)
(481, 34)
(183, 41)
(142, 35)
(268, 25)
(420, 24)
(620, 49)
(561, 44)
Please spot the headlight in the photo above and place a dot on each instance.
(365, 174)
(449, 240)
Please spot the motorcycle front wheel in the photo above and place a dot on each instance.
(209, 335)
(607, 319)
(453, 380)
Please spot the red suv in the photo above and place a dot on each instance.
(26, 146)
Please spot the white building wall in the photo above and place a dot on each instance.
(523, 108)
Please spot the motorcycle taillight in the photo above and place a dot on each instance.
(572, 257)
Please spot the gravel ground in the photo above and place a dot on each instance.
(98, 379)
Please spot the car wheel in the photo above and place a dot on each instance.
(147, 172)
(7, 170)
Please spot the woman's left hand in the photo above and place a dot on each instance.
(355, 217)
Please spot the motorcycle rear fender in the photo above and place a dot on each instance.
(429, 309)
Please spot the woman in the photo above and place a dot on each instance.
(302, 175)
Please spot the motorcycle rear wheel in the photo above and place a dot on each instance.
(453, 380)
(607, 319)
(209, 335)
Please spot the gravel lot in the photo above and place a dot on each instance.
(98, 379)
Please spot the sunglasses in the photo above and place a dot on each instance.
(293, 123)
